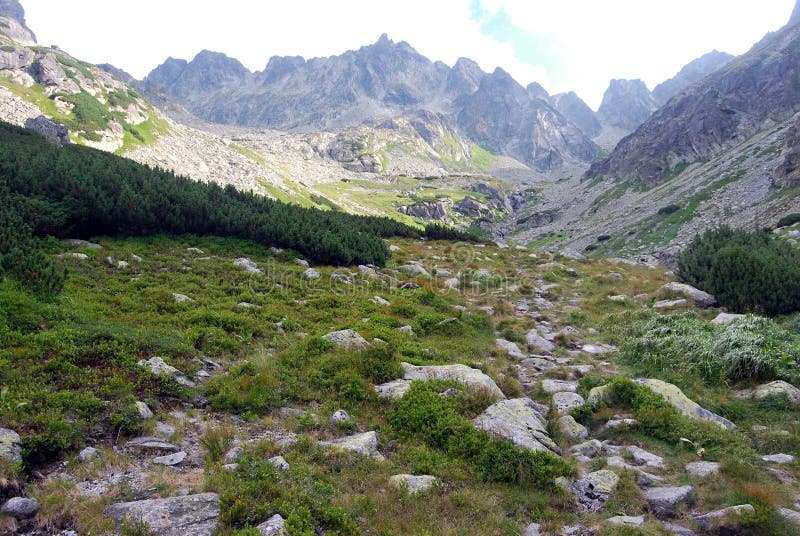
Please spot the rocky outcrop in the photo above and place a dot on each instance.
(751, 93)
(192, 515)
(787, 174)
(626, 104)
(682, 403)
(385, 80)
(52, 132)
(693, 71)
(573, 108)
(472, 208)
(15, 26)
(426, 210)
(502, 116)
(16, 58)
(49, 73)
(520, 421)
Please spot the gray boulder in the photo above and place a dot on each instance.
(49, 130)
(519, 421)
(347, 338)
(170, 459)
(10, 446)
(663, 501)
(725, 518)
(777, 388)
(563, 402)
(593, 490)
(88, 455)
(151, 443)
(462, 373)
(559, 386)
(20, 507)
(248, 266)
(648, 459)
(413, 484)
(158, 367)
(511, 348)
(536, 341)
(279, 463)
(780, 459)
(701, 299)
(272, 526)
(192, 515)
(365, 444)
(725, 318)
(702, 469)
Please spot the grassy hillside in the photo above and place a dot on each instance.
(70, 378)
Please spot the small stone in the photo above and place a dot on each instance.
(596, 349)
(279, 463)
(143, 411)
(365, 444)
(413, 484)
(564, 402)
(301, 262)
(629, 521)
(340, 416)
(784, 477)
(311, 274)
(347, 338)
(20, 507)
(136, 258)
(780, 459)
(669, 304)
(571, 429)
(377, 300)
(165, 430)
(170, 459)
(559, 386)
(791, 515)
(534, 529)
(88, 455)
(10, 446)
(151, 443)
(196, 251)
(247, 265)
(121, 265)
(511, 348)
(76, 243)
(723, 518)
(702, 469)
(642, 457)
(234, 454)
(590, 448)
(407, 330)
(725, 318)
(272, 526)
(451, 283)
(181, 298)
(663, 501)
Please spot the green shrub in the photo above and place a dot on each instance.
(434, 419)
(244, 390)
(669, 209)
(789, 219)
(747, 272)
(304, 499)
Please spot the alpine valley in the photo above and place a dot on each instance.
(377, 294)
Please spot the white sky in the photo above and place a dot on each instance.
(588, 42)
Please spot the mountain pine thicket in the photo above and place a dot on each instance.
(80, 192)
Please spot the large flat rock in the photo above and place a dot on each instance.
(192, 515)
(683, 403)
(519, 421)
(462, 373)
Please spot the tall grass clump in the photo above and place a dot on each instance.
(683, 346)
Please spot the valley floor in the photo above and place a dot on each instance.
(258, 379)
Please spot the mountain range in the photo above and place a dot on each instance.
(385, 130)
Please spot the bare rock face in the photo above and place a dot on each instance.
(573, 108)
(691, 73)
(52, 132)
(17, 58)
(626, 104)
(192, 515)
(787, 174)
(471, 207)
(749, 94)
(15, 27)
(425, 211)
(49, 73)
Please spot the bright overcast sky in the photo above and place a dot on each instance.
(562, 44)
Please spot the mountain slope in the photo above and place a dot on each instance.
(626, 104)
(695, 70)
(748, 94)
(385, 80)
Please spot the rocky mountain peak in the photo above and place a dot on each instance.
(18, 30)
(571, 106)
(536, 91)
(691, 73)
(626, 104)
(795, 18)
